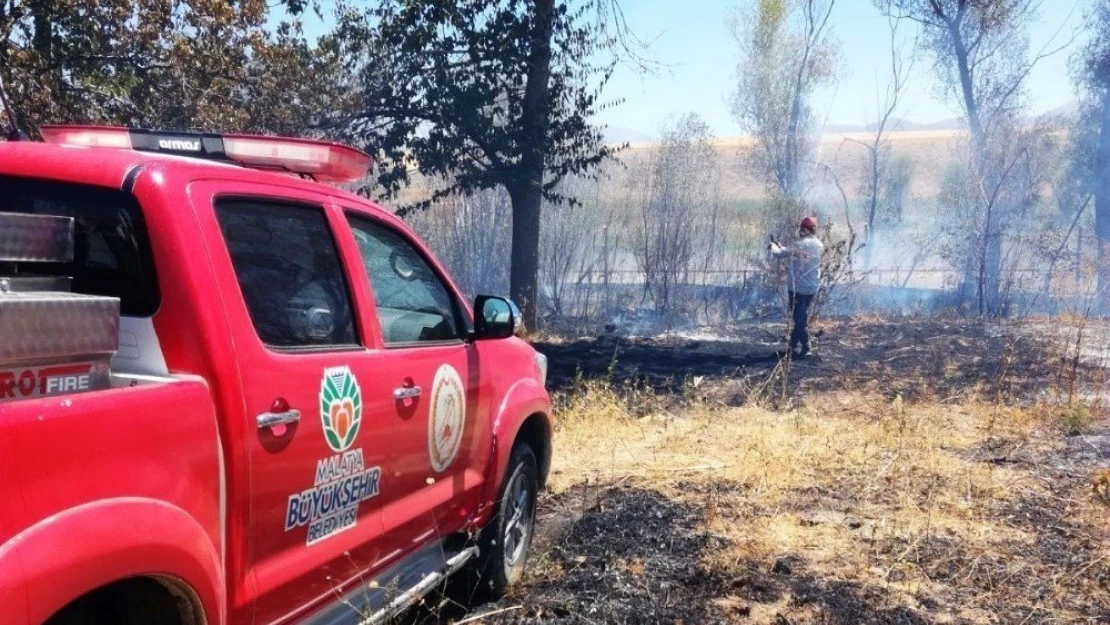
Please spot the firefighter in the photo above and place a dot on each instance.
(803, 280)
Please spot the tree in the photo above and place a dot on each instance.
(483, 94)
(470, 235)
(978, 205)
(1095, 77)
(881, 180)
(894, 189)
(675, 220)
(980, 52)
(786, 54)
(573, 248)
(159, 63)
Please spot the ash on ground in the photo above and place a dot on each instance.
(909, 356)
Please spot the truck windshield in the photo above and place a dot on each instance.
(112, 254)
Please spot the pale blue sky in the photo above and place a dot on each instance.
(691, 41)
(692, 37)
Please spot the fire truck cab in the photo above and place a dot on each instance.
(231, 394)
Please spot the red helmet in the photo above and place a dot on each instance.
(808, 223)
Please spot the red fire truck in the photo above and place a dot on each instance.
(232, 393)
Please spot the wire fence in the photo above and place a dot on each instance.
(723, 294)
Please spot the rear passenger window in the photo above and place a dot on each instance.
(289, 272)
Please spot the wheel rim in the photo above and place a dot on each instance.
(518, 529)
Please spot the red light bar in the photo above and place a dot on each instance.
(323, 160)
(93, 136)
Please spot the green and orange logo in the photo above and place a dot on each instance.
(340, 407)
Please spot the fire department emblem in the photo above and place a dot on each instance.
(447, 418)
(340, 407)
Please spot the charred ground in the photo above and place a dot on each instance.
(911, 356)
(916, 471)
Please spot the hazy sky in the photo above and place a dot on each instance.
(692, 38)
(691, 42)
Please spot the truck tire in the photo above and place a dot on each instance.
(506, 540)
(133, 602)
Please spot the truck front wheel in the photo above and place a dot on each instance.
(136, 601)
(507, 538)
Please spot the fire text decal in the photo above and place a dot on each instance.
(45, 381)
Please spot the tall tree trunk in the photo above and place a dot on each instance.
(527, 191)
(990, 273)
(967, 89)
(1102, 205)
(43, 38)
(525, 257)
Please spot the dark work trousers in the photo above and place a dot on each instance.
(799, 305)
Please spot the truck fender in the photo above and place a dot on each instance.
(74, 552)
(524, 398)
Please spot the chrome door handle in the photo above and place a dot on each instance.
(406, 392)
(270, 419)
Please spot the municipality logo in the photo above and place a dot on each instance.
(340, 407)
(447, 418)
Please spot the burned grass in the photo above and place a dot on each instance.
(855, 502)
(916, 357)
(632, 556)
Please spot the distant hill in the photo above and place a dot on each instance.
(929, 150)
(1067, 110)
(622, 134)
(896, 125)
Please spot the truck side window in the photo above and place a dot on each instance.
(112, 253)
(289, 272)
(414, 305)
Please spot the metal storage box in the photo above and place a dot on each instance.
(23, 283)
(35, 238)
(53, 342)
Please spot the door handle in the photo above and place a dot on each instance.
(406, 392)
(270, 419)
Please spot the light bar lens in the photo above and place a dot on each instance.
(87, 136)
(322, 160)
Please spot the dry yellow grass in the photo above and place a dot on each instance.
(919, 507)
(930, 151)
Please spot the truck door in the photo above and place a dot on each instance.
(318, 441)
(440, 412)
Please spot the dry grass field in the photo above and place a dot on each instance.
(930, 152)
(902, 476)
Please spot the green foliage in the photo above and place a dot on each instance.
(1092, 62)
(207, 64)
(787, 53)
(444, 88)
(1074, 419)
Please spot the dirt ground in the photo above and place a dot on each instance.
(915, 471)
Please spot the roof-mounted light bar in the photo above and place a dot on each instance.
(322, 160)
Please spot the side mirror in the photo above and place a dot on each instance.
(495, 318)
